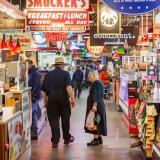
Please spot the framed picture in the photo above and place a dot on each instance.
(108, 21)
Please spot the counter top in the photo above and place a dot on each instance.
(20, 91)
(7, 118)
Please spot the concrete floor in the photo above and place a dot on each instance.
(115, 147)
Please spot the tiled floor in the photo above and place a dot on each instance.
(115, 147)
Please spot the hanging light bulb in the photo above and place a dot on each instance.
(11, 45)
(4, 44)
(18, 47)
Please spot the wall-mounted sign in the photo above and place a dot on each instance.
(108, 21)
(58, 18)
(156, 26)
(58, 4)
(96, 51)
(7, 56)
(133, 7)
(12, 24)
(57, 29)
(24, 38)
(129, 33)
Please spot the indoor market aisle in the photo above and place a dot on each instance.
(115, 147)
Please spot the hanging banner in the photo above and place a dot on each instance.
(108, 21)
(129, 33)
(133, 7)
(58, 4)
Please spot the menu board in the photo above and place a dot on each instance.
(12, 69)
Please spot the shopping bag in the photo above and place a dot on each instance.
(90, 121)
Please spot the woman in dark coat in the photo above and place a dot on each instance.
(95, 103)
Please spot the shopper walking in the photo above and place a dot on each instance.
(59, 97)
(35, 83)
(77, 79)
(95, 102)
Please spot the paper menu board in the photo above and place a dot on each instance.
(12, 69)
(3, 72)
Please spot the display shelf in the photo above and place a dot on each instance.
(7, 118)
(20, 91)
(123, 105)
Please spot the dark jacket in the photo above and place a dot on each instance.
(78, 76)
(34, 81)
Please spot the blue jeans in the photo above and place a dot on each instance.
(34, 128)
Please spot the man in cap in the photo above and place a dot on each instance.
(59, 97)
(77, 79)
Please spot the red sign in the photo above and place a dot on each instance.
(58, 18)
(58, 4)
(58, 29)
(52, 36)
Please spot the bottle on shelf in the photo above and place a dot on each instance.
(155, 93)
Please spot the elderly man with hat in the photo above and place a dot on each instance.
(59, 97)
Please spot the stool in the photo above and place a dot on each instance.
(106, 93)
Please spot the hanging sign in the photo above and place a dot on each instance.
(12, 24)
(133, 7)
(58, 18)
(24, 38)
(108, 21)
(58, 21)
(53, 36)
(96, 51)
(58, 4)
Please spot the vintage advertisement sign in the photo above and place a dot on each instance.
(57, 29)
(12, 24)
(24, 38)
(133, 7)
(128, 33)
(58, 4)
(15, 131)
(108, 21)
(58, 18)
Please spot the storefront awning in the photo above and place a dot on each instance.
(7, 10)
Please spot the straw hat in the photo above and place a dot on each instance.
(59, 61)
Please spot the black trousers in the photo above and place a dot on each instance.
(59, 107)
(77, 86)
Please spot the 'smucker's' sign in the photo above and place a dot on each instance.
(58, 4)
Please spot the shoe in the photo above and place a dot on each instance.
(34, 138)
(54, 145)
(69, 141)
(136, 144)
(93, 143)
(100, 140)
